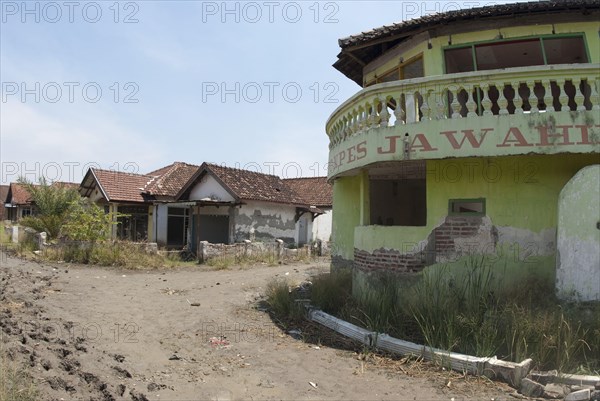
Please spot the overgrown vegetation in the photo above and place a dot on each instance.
(52, 203)
(108, 253)
(268, 257)
(471, 313)
(15, 382)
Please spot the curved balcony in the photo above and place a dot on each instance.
(541, 109)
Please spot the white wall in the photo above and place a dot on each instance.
(209, 187)
(160, 221)
(321, 226)
(269, 220)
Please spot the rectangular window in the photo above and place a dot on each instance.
(177, 226)
(412, 69)
(459, 60)
(521, 53)
(389, 76)
(516, 53)
(569, 50)
(466, 207)
(133, 223)
(398, 201)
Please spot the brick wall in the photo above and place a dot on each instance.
(389, 260)
(440, 243)
(455, 227)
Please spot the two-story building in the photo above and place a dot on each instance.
(475, 132)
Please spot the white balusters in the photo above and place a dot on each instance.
(455, 103)
(469, 98)
(518, 100)
(502, 101)
(594, 97)
(471, 104)
(399, 113)
(548, 98)
(533, 100)
(384, 115)
(563, 98)
(579, 97)
(440, 105)
(425, 109)
(486, 102)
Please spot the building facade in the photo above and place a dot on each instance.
(467, 138)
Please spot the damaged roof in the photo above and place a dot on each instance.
(359, 50)
(116, 185)
(315, 191)
(250, 185)
(171, 179)
(18, 194)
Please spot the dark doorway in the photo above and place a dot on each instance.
(214, 228)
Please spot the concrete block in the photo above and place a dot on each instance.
(529, 388)
(508, 372)
(581, 395)
(577, 380)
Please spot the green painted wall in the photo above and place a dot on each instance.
(520, 191)
(346, 215)
(433, 58)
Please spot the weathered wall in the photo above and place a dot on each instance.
(578, 259)
(433, 59)
(321, 226)
(345, 217)
(160, 225)
(208, 187)
(269, 221)
(521, 195)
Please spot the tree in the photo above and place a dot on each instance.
(52, 203)
(86, 221)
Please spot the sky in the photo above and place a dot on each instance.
(136, 85)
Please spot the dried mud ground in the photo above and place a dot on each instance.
(89, 333)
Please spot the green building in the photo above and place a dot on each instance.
(475, 132)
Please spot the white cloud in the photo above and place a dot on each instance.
(34, 142)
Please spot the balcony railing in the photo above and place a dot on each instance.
(526, 90)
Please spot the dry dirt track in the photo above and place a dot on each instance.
(101, 334)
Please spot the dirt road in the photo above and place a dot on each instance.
(190, 334)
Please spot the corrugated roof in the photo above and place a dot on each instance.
(315, 191)
(367, 46)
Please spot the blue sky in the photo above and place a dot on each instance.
(134, 86)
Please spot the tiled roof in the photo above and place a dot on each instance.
(250, 185)
(315, 191)
(358, 50)
(121, 186)
(170, 179)
(18, 194)
(3, 194)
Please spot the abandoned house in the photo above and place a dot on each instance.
(3, 194)
(18, 203)
(231, 205)
(121, 194)
(180, 204)
(475, 132)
